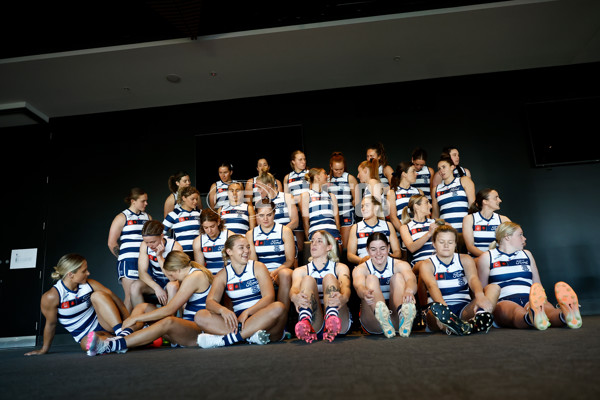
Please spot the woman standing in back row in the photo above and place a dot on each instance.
(342, 185)
(295, 184)
(217, 195)
(176, 181)
(125, 239)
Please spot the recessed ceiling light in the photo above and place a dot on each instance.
(173, 78)
(397, 58)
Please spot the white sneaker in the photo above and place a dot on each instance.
(96, 346)
(259, 337)
(208, 341)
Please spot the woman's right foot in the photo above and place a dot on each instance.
(569, 305)
(305, 331)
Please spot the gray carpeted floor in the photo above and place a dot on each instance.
(503, 364)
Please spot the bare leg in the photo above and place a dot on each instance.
(553, 315)
(397, 289)
(511, 315)
(308, 285)
(492, 292)
(176, 330)
(367, 315)
(271, 318)
(331, 293)
(126, 283)
(138, 289)
(284, 283)
(107, 311)
(345, 232)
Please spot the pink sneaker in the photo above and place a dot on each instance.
(305, 331)
(333, 325)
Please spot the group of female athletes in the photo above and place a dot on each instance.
(420, 246)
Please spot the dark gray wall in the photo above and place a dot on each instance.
(96, 159)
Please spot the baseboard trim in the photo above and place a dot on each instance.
(18, 341)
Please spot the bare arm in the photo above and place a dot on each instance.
(293, 211)
(483, 268)
(251, 217)
(304, 207)
(250, 239)
(116, 227)
(435, 207)
(352, 248)
(426, 276)
(336, 214)
(49, 307)
(391, 199)
(212, 197)
(198, 254)
(467, 230)
(469, 187)
(145, 277)
(534, 270)
(359, 279)
(196, 282)
(394, 242)
(481, 301)
(169, 205)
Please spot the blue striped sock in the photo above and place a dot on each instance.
(304, 313)
(117, 329)
(126, 331)
(232, 338)
(329, 311)
(118, 344)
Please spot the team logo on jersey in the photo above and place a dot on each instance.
(440, 276)
(363, 235)
(259, 243)
(233, 286)
(418, 230)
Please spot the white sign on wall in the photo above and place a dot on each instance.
(23, 258)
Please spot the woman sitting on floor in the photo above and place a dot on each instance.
(449, 278)
(194, 284)
(382, 278)
(321, 290)
(256, 317)
(522, 302)
(81, 305)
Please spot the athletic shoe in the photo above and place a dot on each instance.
(481, 322)
(95, 346)
(305, 331)
(537, 300)
(569, 305)
(453, 324)
(408, 313)
(259, 337)
(208, 341)
(333, 325)
(382, 314)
